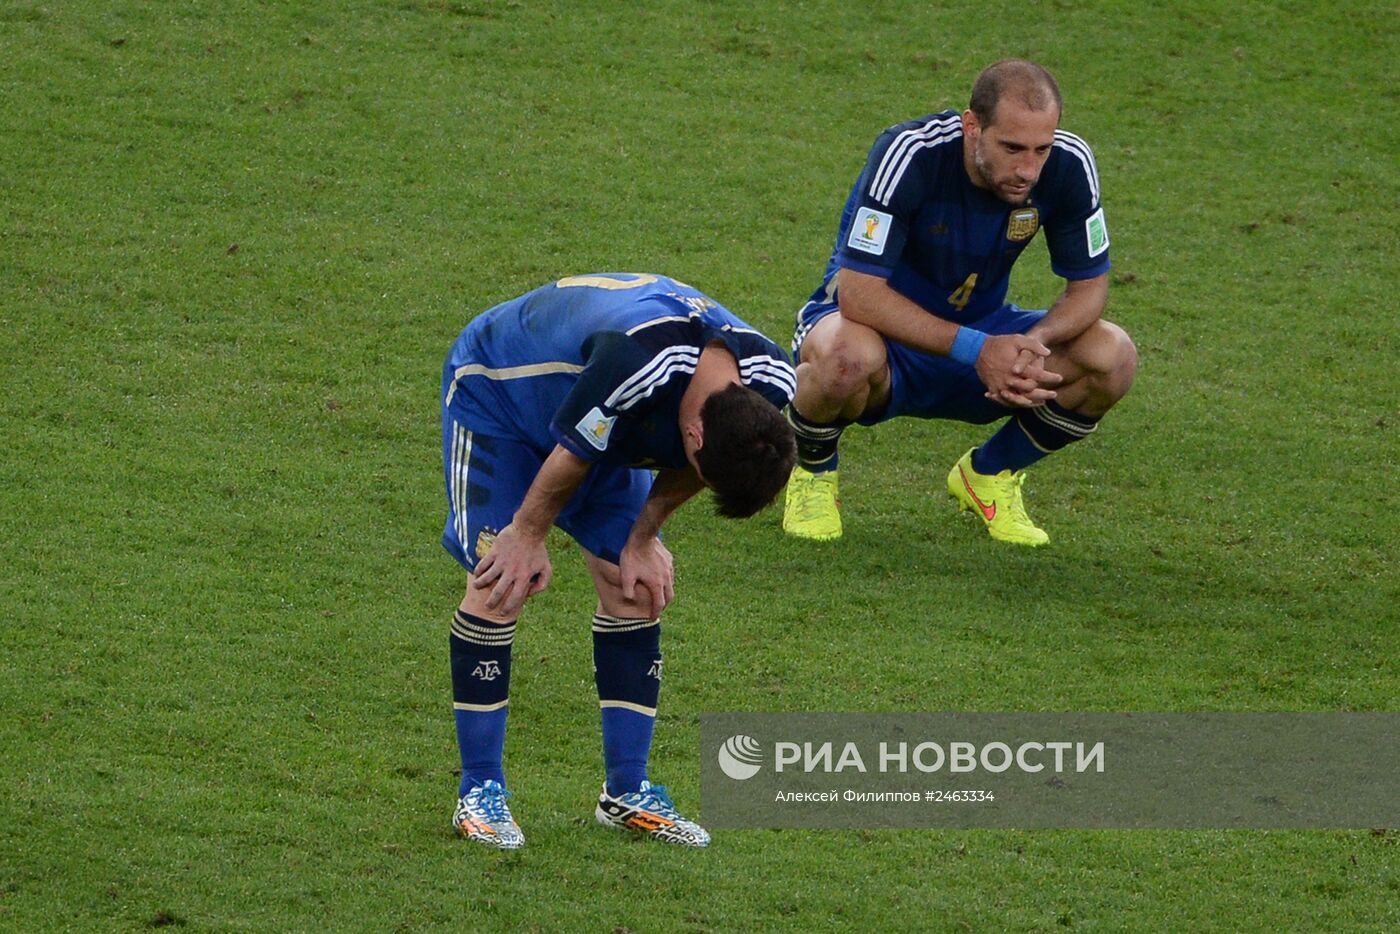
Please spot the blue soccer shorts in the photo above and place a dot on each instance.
(925, 385)
(486, 480)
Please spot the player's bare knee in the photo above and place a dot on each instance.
(1105, 351)
(475, 603)
(847, 368)
(843, 375)
(1108, 358)
(1121, 365)
(613, 603)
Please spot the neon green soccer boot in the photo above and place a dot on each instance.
(997, 499)
(812, 510)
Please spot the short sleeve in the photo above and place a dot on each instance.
(882, 208)
(1076, 232)
(595, 415)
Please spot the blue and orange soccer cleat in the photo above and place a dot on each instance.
(483, 815)
(649, 811)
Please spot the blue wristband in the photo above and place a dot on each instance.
(967, 346)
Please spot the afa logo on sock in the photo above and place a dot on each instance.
(487, 670)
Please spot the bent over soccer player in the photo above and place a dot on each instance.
(911, 317)
(554, 405)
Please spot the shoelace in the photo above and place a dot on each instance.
(1014, 501)
(492, 801)
(813, 501)
(656, 799)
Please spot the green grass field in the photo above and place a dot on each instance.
(236, 240)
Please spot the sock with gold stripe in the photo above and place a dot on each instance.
(627, 670)
(480, 694)
(1030, 435)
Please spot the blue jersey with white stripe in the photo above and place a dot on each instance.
(598, 364)
(915, 218)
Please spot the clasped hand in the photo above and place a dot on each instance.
(1012, 366)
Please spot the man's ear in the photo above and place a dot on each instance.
(695, 431)
(971, 126)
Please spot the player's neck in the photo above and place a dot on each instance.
(716, 369)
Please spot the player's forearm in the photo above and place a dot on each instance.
(1082, 303)
(559, 476)
(669, 490)
(869, 300)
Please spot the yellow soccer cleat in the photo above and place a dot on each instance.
(812, 509)
(997, 499)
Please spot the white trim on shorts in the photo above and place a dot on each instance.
(457, 479)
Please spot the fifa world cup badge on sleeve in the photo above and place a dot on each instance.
(869, 231)
(596, 427)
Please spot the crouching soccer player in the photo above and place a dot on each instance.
(911, 317)
(554, 407)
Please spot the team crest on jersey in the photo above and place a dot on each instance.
(484, 540)
(1022, 224)
(596, 428)
(869, 231)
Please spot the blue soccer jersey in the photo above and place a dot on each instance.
(916, 219)
(598, 364)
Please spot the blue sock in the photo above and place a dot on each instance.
(1030, 435)
(480, 695)
(627, 670)
(1010, 448)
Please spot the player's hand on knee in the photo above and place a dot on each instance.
(647, 576)
(516, 568)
